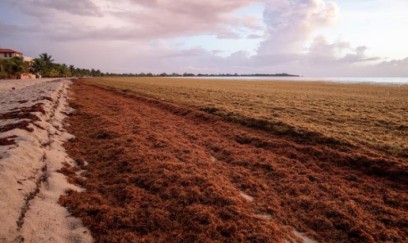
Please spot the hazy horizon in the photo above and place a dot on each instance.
(339, 38)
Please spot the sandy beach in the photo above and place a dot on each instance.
(142, 160)
(31, 153)
(203, 121)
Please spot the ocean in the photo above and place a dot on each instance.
(375, 80)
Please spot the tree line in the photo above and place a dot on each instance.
(200, 75)
(43, 66)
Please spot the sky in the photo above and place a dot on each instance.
(304, 37)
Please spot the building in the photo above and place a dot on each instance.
(8, 53)
(27, 76)
(28, 59)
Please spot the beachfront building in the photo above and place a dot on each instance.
(8, 53)
(28, 59)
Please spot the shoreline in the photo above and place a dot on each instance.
(292, 79)
(140, 167)
(330, 80)
(31, 158)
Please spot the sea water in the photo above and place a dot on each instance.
(376, 80)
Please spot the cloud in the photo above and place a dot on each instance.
(168, 18)
(228, 35)
(136, 36)
(13, 30)
(248, 21)
(42, 7)
(136, 19)
(210, 10)
(339, 51)
(289, 23)
(397, 68)
(254, 36)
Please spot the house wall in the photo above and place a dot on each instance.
(28, 59)
(9, 55)
(27, 76)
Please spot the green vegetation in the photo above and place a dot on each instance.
(42, 66)
(13, 67)
(45, 66)
(200, 75)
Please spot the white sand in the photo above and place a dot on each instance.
(29, 207)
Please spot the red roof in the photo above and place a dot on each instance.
(9, 51)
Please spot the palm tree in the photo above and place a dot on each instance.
(46, 64)
(38, 66)
(72, 70)
(13, 67)
(3, 72)
(46, 58)
(62, 70)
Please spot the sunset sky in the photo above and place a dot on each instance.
(306, 37)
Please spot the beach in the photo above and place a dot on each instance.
(166, 159)
(203, 121)
(157, 169)
(31, 154)
(374, 116)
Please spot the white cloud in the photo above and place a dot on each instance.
(134, 36)
(289, 23)
(43, 7)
